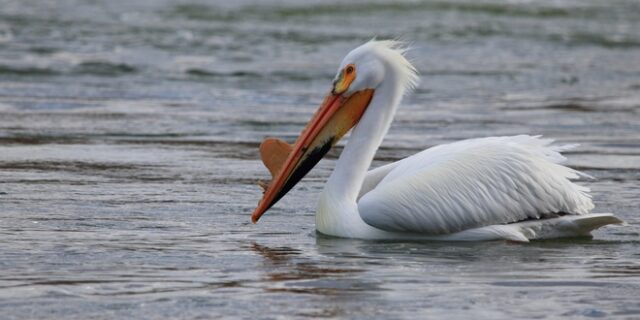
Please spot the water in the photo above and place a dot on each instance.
(128, 157)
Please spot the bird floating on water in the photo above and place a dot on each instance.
(512, 188)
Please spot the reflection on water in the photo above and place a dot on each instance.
(303, 277)
(129, 135)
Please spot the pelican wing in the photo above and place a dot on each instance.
(470, 184)
(374, 176)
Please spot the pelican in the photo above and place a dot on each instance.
(512, 188)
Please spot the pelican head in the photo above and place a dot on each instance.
(361, 73)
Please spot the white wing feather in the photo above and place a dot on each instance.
(374, 176)
(471, 184)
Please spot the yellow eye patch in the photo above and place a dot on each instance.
(347, 75)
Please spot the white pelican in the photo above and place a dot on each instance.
(510, 188)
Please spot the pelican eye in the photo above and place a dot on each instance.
(344, 79)
(350, 69)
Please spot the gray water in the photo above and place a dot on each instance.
(128, 157)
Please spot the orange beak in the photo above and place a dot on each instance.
(288, 164)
